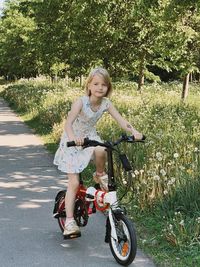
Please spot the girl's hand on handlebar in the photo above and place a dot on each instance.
(137, 135)
(79, 141)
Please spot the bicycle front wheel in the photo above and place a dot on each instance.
(124, 249)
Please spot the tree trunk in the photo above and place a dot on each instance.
(141, 74)
(80, 81)
(141, 79)
(185, 87)
(191, 77)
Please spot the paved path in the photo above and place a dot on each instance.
(29, 236)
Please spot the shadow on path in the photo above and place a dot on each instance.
(28, 184)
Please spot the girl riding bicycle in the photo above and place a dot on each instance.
(80, 123)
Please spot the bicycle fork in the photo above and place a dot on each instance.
(107, 198)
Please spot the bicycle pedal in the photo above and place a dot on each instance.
(72, 236)
(89, 197)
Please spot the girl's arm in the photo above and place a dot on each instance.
(72, 115)
(122, 122)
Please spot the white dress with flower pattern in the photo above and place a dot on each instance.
(76, 159)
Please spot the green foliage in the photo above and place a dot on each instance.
(129, 38)
(17, 52)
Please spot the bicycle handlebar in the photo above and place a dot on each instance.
(123, 138)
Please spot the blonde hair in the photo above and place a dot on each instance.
(104, 73)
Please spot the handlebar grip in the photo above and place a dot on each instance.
(71, 143)
(143, 137)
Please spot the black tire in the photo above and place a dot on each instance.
(124, 250)
(62, 213)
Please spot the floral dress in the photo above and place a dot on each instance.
(76, 159)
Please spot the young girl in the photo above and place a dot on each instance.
(80, 123)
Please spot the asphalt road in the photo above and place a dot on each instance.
(29, 235)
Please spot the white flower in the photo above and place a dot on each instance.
(136, 172)
(159, 155)
(171, 181)
(124, 182)
(156, 177)
(133, 175)
(163, 172)
(182, 223)
(198, 219)
(196, 149)
(176, 155)
(182, 168)
(165, 192)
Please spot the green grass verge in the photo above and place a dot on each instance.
(164, 196)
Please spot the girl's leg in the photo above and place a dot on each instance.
(100, 176)
(71, 227)
(100, 159)
(73, 184)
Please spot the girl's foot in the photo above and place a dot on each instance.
(71, 229)
(101, 179)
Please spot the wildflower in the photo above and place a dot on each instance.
(176, 155)
(144, 182)
(136, 172)
(182, 223)
(198, 219)
(124, 182)
(171, 181)
(158, 155)
(133, 175)
(182, 168)
(196, 149)
(156, 177)
(165, 192)
(163, 172)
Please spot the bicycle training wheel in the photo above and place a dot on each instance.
(124, 249)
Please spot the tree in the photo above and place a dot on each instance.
(17, 51)
(184, 20)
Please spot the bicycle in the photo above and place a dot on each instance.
(120, 231)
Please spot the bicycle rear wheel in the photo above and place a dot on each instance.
(62, 214)
(124, 249)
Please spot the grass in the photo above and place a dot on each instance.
(164, 192)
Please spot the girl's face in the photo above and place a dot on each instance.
(97, 86)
